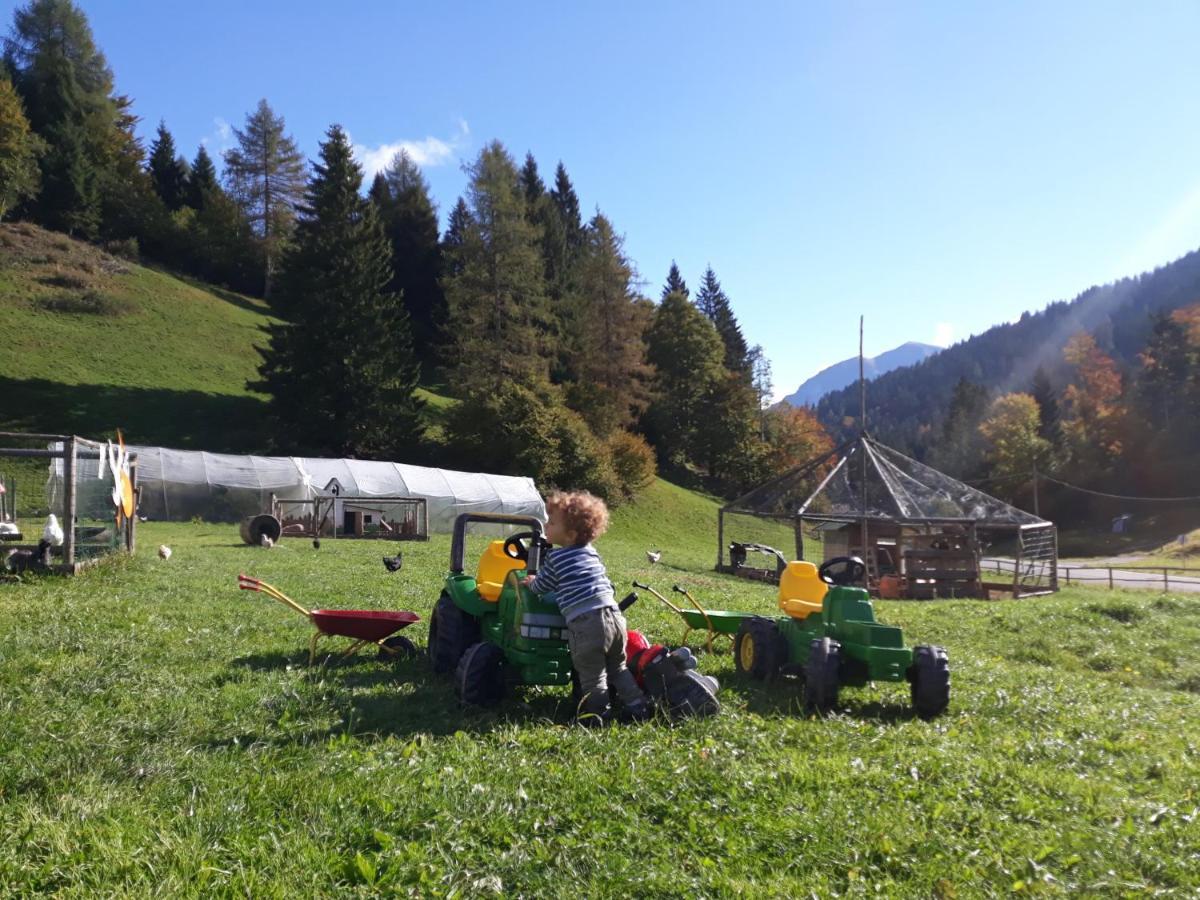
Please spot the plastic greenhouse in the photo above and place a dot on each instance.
(180, 485)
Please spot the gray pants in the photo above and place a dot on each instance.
(597, 642)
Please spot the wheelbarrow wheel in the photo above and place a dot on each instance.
(397, 647)
(759, 649)
(451, 632)
(930, 678)
(822, 675)
(479, 678)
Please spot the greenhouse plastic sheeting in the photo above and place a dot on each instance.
(180, 485)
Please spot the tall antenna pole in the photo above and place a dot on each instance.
(862, 382)
(862, 449)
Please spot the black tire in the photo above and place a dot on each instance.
(451, 632)
(479, 678)
(400, 647)
(930, 679)
(759, 649)
(822, 675)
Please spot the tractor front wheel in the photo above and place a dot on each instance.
(759, 649)
(451, 632)
(479, 679)
(822, 676)
(930, 678)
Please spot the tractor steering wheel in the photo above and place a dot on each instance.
(514, 549)
(842, 570)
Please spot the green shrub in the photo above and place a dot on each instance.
(632, 462)
(126, 248)
(91, 303)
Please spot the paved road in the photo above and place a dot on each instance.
(1086, 573)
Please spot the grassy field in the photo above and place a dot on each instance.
(163, 735)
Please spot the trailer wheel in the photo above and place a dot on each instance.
(451, 632)
(822, 676)
(397, 647)
(930, 678)
(758, 648)
(479, 678)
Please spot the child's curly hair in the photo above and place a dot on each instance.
(583, 513)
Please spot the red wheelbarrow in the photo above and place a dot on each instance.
(363, 626)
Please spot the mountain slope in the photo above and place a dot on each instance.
(90, 342)
(902, 404)
(841, 374)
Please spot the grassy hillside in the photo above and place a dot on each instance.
(163, 734)
(91, 342)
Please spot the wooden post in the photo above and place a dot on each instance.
(720, 538)
(1110, 579)
(1166, 582)
(1068, 571)
(131, 523)
(69, 505)
(798, 525)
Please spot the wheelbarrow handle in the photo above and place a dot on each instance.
(639, 585)
(628, 601)
(677, 589)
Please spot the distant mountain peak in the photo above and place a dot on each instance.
(844, 373)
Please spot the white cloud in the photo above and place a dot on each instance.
(221, 136)
(425, 152)
(943, 334)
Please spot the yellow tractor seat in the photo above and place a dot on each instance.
(494, 567)
(801, 592)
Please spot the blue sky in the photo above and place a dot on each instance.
(938, 167)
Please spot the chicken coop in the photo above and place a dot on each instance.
(921, 533)
(72, 479)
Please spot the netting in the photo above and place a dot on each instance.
(776, 532)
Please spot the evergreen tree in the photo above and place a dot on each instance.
(688, 357)
(341, 373)
(531, 182)
(960, 450)
(711, 301)
(65, 84)
(1166, 364)
(1043, 394)
(608, 361)
(265, 173)
(167, 171)
(675, 283)
(495, 287)
(567, 204)
(457, 226)
(202, 179)
(19, 151)
(401, 194)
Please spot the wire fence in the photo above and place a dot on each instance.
(1131, 576)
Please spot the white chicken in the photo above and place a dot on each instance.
(53, 531)
(265, 541)
(654, 556)
(164, 552)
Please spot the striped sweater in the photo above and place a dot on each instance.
(576, 577)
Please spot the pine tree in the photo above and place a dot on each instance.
(457, 226)
(608, 361)
(687, 354)
(341, 373)
(265, 173)
(19, 151)
(711, 301)
(166, 172)
(960, 450)
(202, 179)
(401, 194)
(567, 203)
(496, 290)
(675, 283)
(65, 84)
(531, 183)
(1043, 394)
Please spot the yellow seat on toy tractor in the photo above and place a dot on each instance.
(494, 566)
(801, 592)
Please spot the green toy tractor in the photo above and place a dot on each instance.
(488, 630)
(829, 637)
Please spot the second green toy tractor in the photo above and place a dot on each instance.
(829, 636)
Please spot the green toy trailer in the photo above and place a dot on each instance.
(830, 637)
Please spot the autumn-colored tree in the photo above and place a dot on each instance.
(1013, 444)
(795, 436)
(1093, 412)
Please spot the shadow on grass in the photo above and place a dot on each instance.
(785, 697)
(156, 416)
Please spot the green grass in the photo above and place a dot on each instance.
(163, 735)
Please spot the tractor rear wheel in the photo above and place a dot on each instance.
(930, 678)
(759, 649)
(479, 678)
(822, 675)
(451, 632)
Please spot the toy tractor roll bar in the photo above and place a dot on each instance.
(458, 546)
